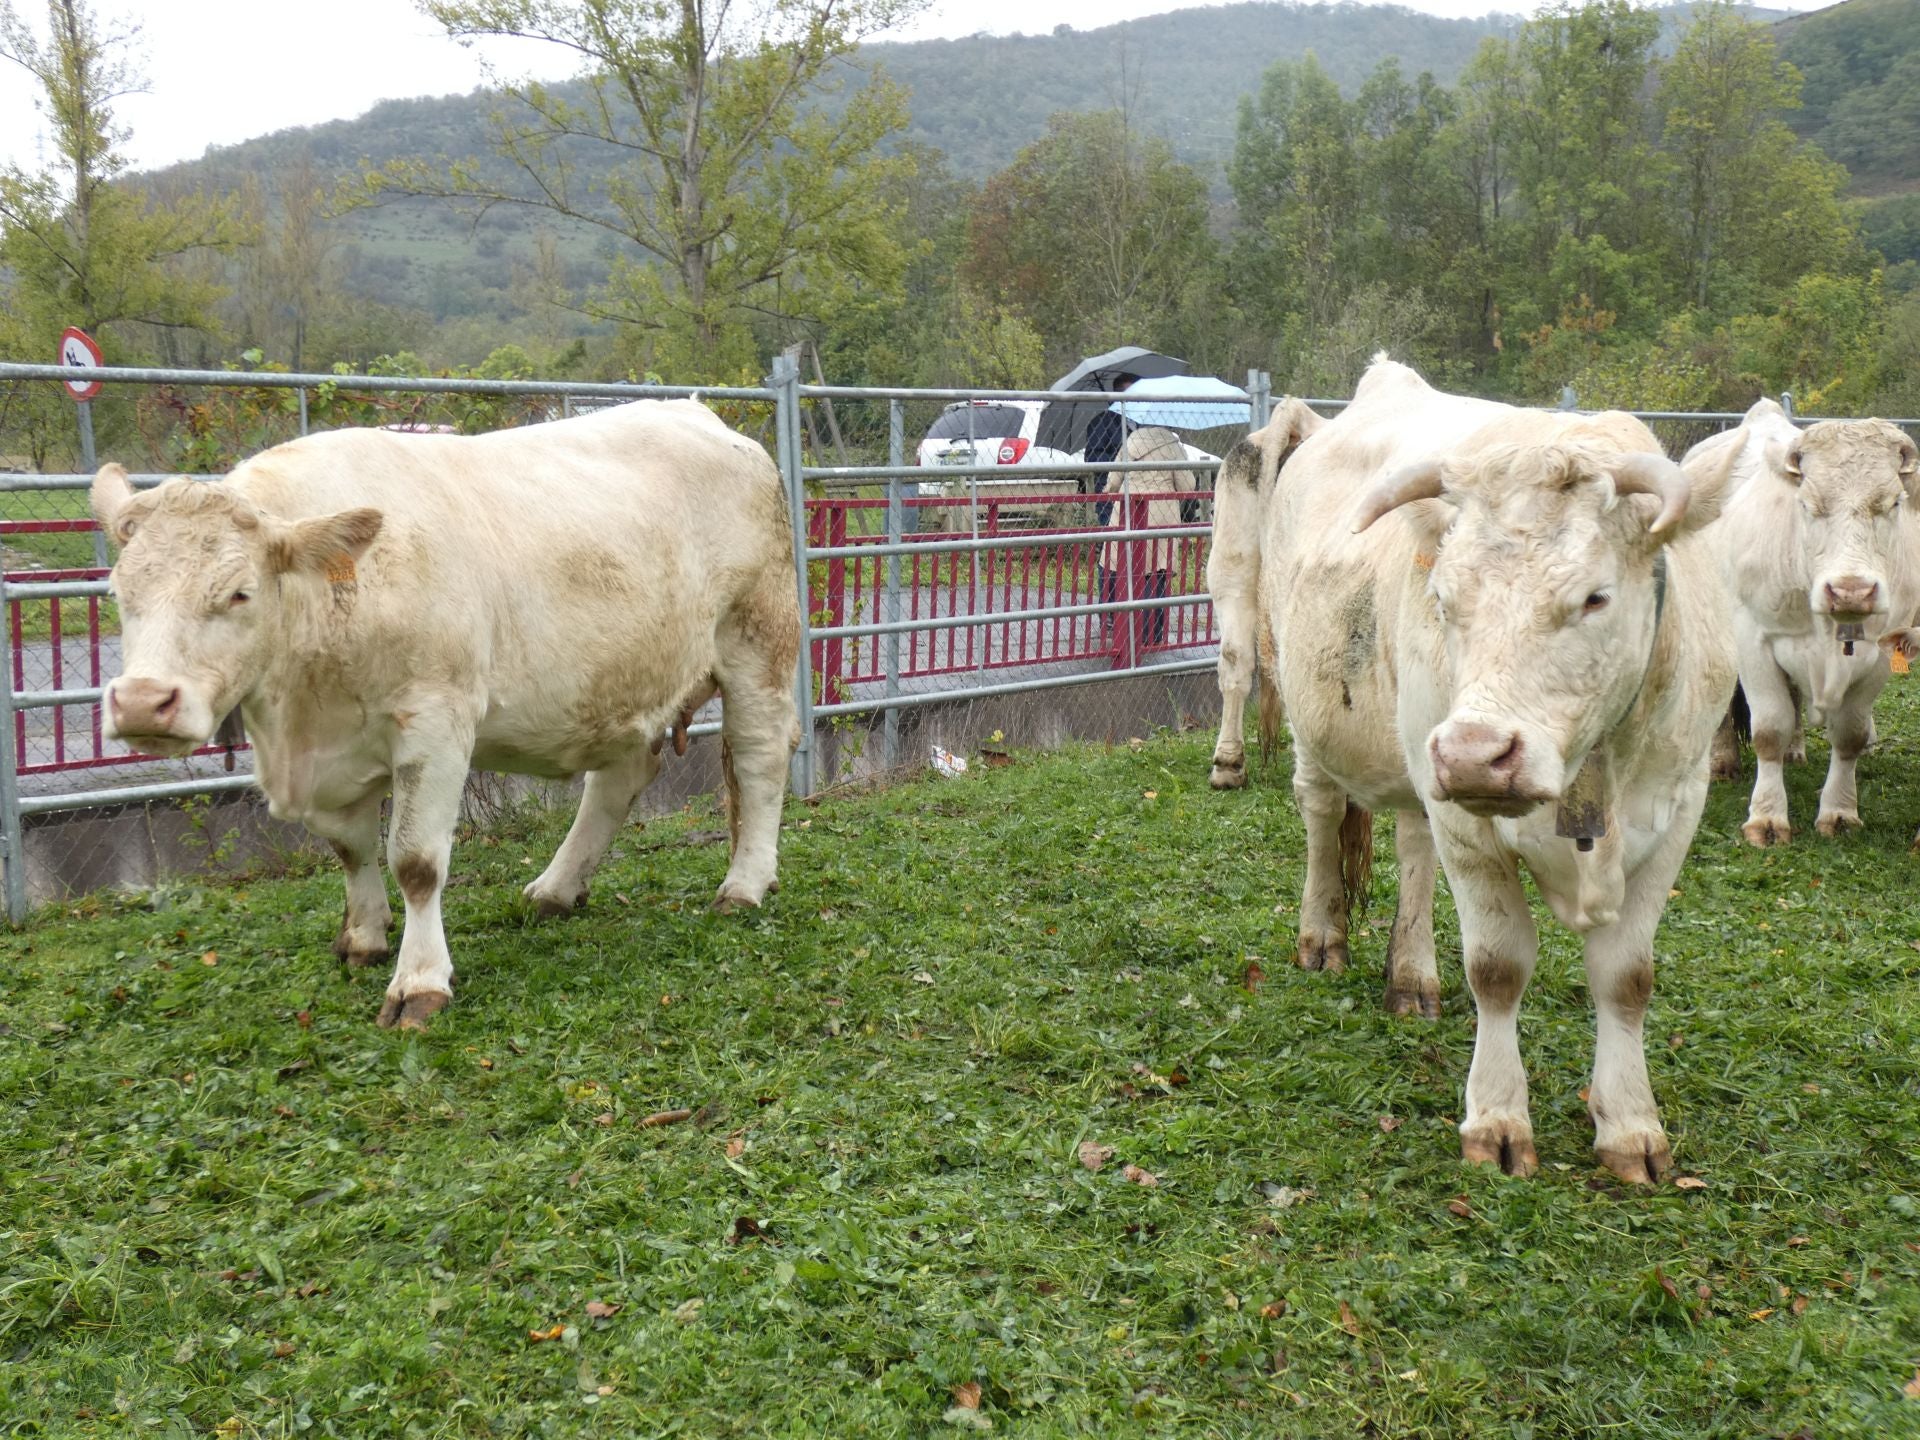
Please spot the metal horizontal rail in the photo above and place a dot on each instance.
(1011, 687)
(1083, 397)
(1009, 473)
(418, 384)
(82, 482)
(133, 794)
(1004, 617)
(54, 699)
(51, 589)
(1023, 540)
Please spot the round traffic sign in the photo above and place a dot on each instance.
(78, 348)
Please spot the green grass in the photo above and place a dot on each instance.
(226, 1196)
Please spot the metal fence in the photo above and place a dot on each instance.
(971, 586)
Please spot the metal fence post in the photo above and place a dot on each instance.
(1260, 390)
(90, 464)
(890, 604)
(303, 411)
(1786, 402)
(12, 836)
(785, 382)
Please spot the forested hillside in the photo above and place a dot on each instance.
(1861, 101)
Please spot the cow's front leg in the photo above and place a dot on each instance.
(1323, 903)
(354, 833)
(1413, 977)
(1774, 721)
(758, 729)
(427, 781)
(605, 802)
(1849, 732)
(1501, 946)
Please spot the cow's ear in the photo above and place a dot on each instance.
(1783, 458)
(109, 496)
(326, 544)
(1300, 421)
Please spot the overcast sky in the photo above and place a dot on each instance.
(219, 71)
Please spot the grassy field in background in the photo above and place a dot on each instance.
(230, 1205)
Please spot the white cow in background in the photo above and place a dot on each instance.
(1503, 620)
(388, 611)
(1820, 545)
(1241, 498)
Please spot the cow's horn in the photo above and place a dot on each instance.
(1421, 480)
(1648, 474)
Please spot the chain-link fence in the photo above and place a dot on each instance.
(966, 587)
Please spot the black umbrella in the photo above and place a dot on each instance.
(1063, 424)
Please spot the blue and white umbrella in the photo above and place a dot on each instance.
(1184, 402)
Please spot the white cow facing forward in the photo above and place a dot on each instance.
(1820, 544)
(389, 611)
(1503, 621)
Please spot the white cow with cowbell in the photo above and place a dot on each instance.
(1820, 545)
(1241, 498)
(1502, 621)
(388, 611)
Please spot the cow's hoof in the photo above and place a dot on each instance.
(1766, 831)
(1323, 954)
(1506, 1143)
(1228, 775)
(1640, 1158)
(358, 957)
(1724, 769)
(548, 904)
(411, 1012)
(1796, 753)
(728, 901)
(1420, 998)
(1838, 824)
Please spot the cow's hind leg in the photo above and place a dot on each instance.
(1236, 684)
(605, 802)
(428, 776)
(1413, 977)
(1324, 902)
(354, 834)
(758, 729)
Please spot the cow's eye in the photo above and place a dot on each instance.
(1596, 602)
(239, 597)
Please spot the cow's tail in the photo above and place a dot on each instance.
(1356, 855)
(1273, 714)
(1742, 714)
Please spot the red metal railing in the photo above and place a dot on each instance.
(1053, 566)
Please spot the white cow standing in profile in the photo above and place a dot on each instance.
(389, 611)
(1820, 544)
(1505, 622)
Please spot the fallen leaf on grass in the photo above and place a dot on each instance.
(1689, 1182)
(1666, 1283)
(606, 1118)
(745, 1227)
(304, 1019)
(1799, 1306)
(1250, 981)
(1149, 794)
(1762, 1313)
(1282, 1197)
(1796, 1241)
(212, 957)
(1141, 1177)
(1349, 1322)
(966, 1395)
(689, 1311)
(601, 1310)
(286, 1071)
(1273, 1309)
(283, 1349)
(996, 758)
(665, 1117)
(1093, 1154)
(1459, 1206)
(736, 1147)
(552, 1332)
(1389, 1123)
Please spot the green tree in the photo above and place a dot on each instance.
(752, 184)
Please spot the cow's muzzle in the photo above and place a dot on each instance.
(1850, 597)
(150, 715)
(1483, 769)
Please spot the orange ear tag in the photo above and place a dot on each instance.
(1898, 660)
(340, 569)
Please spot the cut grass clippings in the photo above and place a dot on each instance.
(869, 1161)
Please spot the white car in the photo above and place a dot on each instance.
(1000, 433)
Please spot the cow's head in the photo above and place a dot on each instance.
(1545, 589)
(1855, 478)
(201, 583)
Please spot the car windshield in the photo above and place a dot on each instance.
(988, 422)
